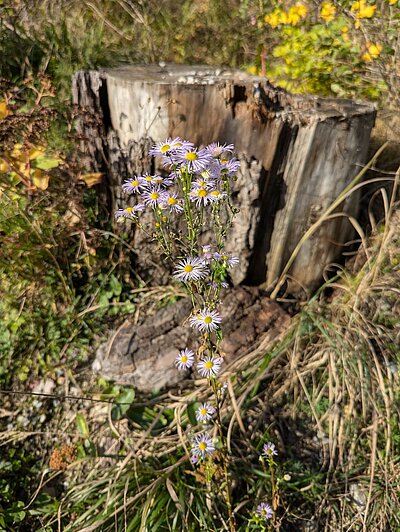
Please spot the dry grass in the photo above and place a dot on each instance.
(327, 392)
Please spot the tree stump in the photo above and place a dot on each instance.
(144, 355)
(297, 153)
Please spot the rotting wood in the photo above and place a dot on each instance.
(143, 355)
(297, 154)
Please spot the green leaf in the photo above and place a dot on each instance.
(90, 448)
(123, 402)
(82, 425)
(46, 163)
(115, 286)
(191, 412)
(17, 512)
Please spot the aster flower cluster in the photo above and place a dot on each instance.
(195, 187)
(265, 512)
(197, 177)
(211, 265)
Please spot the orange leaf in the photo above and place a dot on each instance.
(92, 179)
(3, 109)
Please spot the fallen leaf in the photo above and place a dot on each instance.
(4, 167)
(3, 109)
(40, 179)
(92, 179)
(36, 151)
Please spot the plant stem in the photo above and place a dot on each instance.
(232, 524)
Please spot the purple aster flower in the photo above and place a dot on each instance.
(205, 412)
(230, 167)
(211, 173)
(229, 260)
(190, 269)
(269, 449)
(202, 445)
(206, 320)
(162, 181)
(200, 196)
(147, 180)
(172, 202)
(134, 185)
(153, 196)
(169, 146)
(203, 183)
(194, 459)
(219, 284)
(193, 159)
(209, 366)
(216, 195)
(264, 510)
(184, 359)
(215, 149)
(208, 255)
(129, 212)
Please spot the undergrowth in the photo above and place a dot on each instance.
(327, 391)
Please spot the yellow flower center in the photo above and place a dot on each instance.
(208, 319)
(188, 268)
(209, 364)
(184, 358)
(135, 183)
(148, 178)
(177, 145)
(154, 195)
(202, 446)
(191, 156)
(165, 148)
(203, 411)
(202, 192)
(215, 193)
(172, 201)
(129, 209)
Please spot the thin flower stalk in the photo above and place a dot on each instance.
(196, 190)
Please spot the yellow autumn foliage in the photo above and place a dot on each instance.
(328, 11)
(40, 179)
(293, 16)
(373, 52)
(92, 179)
(3, 109)
(363, 10)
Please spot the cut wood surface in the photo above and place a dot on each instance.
(297, 153)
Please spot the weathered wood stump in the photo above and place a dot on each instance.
(143, 355)
(297, 154)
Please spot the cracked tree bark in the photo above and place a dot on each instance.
(297, 154)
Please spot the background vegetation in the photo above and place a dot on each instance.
(327, 393)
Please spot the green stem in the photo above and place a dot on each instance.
(232, 524)
(273, 491)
